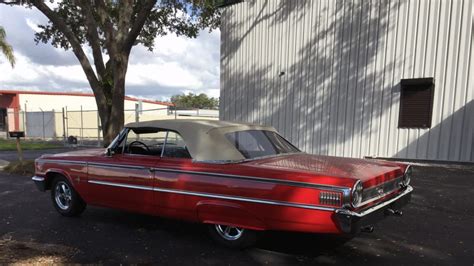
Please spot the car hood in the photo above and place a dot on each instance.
(370, 172)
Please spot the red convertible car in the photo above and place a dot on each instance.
(238, 179)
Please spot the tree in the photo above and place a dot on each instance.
(201, 101)
(111, 29)
(7, 50)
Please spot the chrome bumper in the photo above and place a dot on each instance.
(351, 222)
(39, 182)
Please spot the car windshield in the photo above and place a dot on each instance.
(257, 143)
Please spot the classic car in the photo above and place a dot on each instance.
(238, 179)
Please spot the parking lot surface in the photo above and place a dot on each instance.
(436, 228)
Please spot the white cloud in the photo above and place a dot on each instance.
(176, 65)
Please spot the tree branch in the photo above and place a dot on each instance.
(137, 26)
(93, 38)
(108, 27)
(75, 44)
(125, 15)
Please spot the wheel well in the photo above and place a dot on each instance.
(50, 178)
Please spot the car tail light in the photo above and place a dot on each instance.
(357, 194)
(330, 198)
(407, 176)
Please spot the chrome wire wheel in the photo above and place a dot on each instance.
(63, 195)
(229, 232)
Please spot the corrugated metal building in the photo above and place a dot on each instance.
(389, 78)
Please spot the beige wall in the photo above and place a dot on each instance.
(82, 123)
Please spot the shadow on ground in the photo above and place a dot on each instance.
(434, 230)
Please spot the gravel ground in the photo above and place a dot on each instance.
(436, 228)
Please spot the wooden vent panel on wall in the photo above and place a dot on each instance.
(416, 103)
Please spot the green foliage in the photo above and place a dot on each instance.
(201, 101)
(6, 49)
(181, 17)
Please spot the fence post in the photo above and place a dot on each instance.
(44, 135)
(98, 129)
(82, 128)
(137, 115)
(24, 121)
(26, 125)
(67, 122)
(64, 126)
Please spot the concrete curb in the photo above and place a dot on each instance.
(3, 164)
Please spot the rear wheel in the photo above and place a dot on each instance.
(65, 199)
(231, 236)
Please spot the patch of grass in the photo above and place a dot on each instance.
(10, 145)
(26, 167)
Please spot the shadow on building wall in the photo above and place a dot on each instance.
(326, 78)
(333, 83)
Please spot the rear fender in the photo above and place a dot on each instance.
(227, 213)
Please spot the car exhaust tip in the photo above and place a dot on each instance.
(367, 229)
(393, 212)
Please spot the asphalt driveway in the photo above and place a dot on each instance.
(437, 228)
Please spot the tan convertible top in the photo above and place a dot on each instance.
(205, 139)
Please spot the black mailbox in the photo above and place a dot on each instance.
(17, 134)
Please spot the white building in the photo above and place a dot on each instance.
(354, 78)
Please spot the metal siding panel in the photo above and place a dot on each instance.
(352, 79)
(364, 36)
(370, 80)
(467, 149)
(319, 69)
(407, 70)
(344, 76)
(343, 63)
(460, 91)
(378, 79)
(420, 63)
(305, 50)
(429, 65)
(450, 82)
(335, 69)
(385, 116)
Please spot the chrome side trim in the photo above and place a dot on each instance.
(215, 196)
(123, 166)
(344, 190)
(252, 178)
(61, 161)
(407, 191)
(37, 178)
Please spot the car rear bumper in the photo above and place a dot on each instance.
(39, 182)
(352, 222)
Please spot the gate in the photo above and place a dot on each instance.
(40, 124)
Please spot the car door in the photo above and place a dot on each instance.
(124, 179)
(169, 180)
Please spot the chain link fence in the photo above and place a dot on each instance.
(83, 127)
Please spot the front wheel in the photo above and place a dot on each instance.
(65, 198)
(231, 236)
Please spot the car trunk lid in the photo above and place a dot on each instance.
(370, 172)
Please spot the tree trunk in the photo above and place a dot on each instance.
(112, 116)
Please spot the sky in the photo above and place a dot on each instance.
(176, 65)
